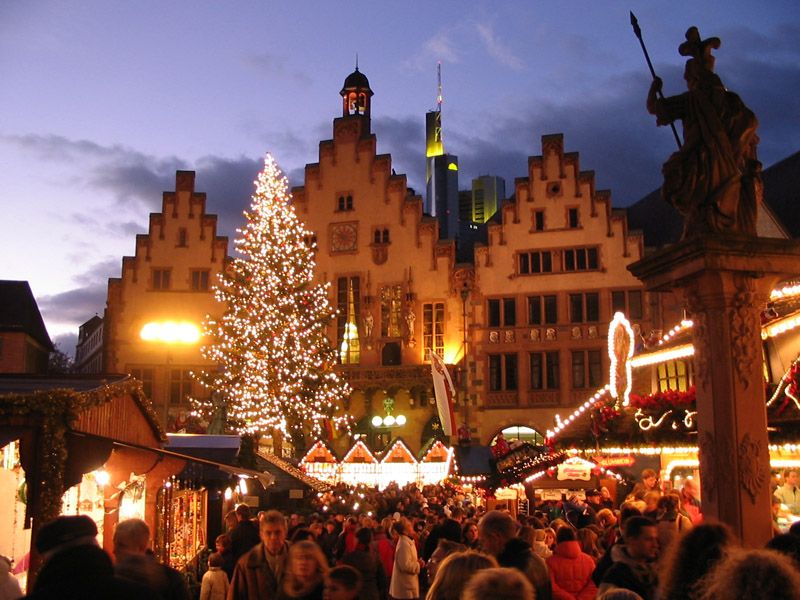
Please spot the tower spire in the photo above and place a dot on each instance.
(439, 97)
(356, 61)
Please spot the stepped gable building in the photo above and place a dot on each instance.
(155, 309)
(393, 281)
(532, 310)
(547, 285)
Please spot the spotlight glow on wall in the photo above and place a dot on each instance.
(170, 332)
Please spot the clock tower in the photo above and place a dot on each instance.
(356, 98)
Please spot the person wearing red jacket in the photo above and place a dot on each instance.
(571, 569)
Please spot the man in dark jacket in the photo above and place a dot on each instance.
(136, 562)
(633, 562)
(75, 567)
(497, 535)
(259, 573)
(245, 535)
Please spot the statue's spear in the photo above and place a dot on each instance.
(638, 31)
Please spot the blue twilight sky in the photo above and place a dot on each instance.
(102, 100)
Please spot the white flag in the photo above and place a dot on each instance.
(445, 393)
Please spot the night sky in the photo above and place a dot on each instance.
(101, 101)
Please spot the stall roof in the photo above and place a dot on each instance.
(266, 479)
(288, 469)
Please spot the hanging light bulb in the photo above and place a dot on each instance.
(242, 486)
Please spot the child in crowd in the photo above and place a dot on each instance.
(342, 583)
(215, 581)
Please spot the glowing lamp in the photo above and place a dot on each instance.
(401, 420)
(388, 420)
(102, 478)
(243, 486)
(170, 332)
(377, 421)
(228, 494)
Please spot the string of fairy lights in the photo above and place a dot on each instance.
(276, 365)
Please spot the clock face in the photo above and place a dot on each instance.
(344, 237)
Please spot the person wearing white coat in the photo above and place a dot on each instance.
(405, 580)
(215, 580)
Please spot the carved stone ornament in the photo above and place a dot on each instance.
(575, 333)
(380, 254)
(535, 335)
(744, 326)
(592, 332)
(699, 339)
(550, 334)
(708, 477)
(494, 337)
(508, 336)
(753, 472)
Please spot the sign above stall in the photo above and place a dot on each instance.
(614, 461)
(570, 469)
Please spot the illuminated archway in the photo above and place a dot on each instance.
(523, 433)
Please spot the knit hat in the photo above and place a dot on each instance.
(66, 530)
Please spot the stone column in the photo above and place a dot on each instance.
(725, 283)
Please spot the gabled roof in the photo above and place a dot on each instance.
(662, 225)
(781, 192)
(19, 312)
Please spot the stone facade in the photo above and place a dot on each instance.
(169, 278)
(559, 244)
(547, 285)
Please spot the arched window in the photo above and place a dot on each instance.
(341, 203)
(377, 236)
(349, 204)
(523, 433)
(385, 236)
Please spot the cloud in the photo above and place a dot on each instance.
(440, 47)
(131, 176)
(496, 48)
(66, 342)
(272, 65)
(75, 305)
(228, 184)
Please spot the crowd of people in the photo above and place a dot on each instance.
(433, 543)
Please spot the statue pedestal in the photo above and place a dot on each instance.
(725, 282)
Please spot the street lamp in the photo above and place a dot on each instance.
(464, 369)
(170, 333)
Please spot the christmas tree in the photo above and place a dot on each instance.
(275, 360)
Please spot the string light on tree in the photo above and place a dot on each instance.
(276, 363)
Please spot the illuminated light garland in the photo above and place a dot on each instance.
(788, 291)
(780, 326)
(276, 364)
(659, 356)
(620, 333)
(550, 435)
(682, 326)
(788, 386)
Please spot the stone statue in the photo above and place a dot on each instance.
(411, 318)
(714, 180)
(369, 321)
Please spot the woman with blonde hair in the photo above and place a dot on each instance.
(305, 572)
(499, 584)
(454, 572)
